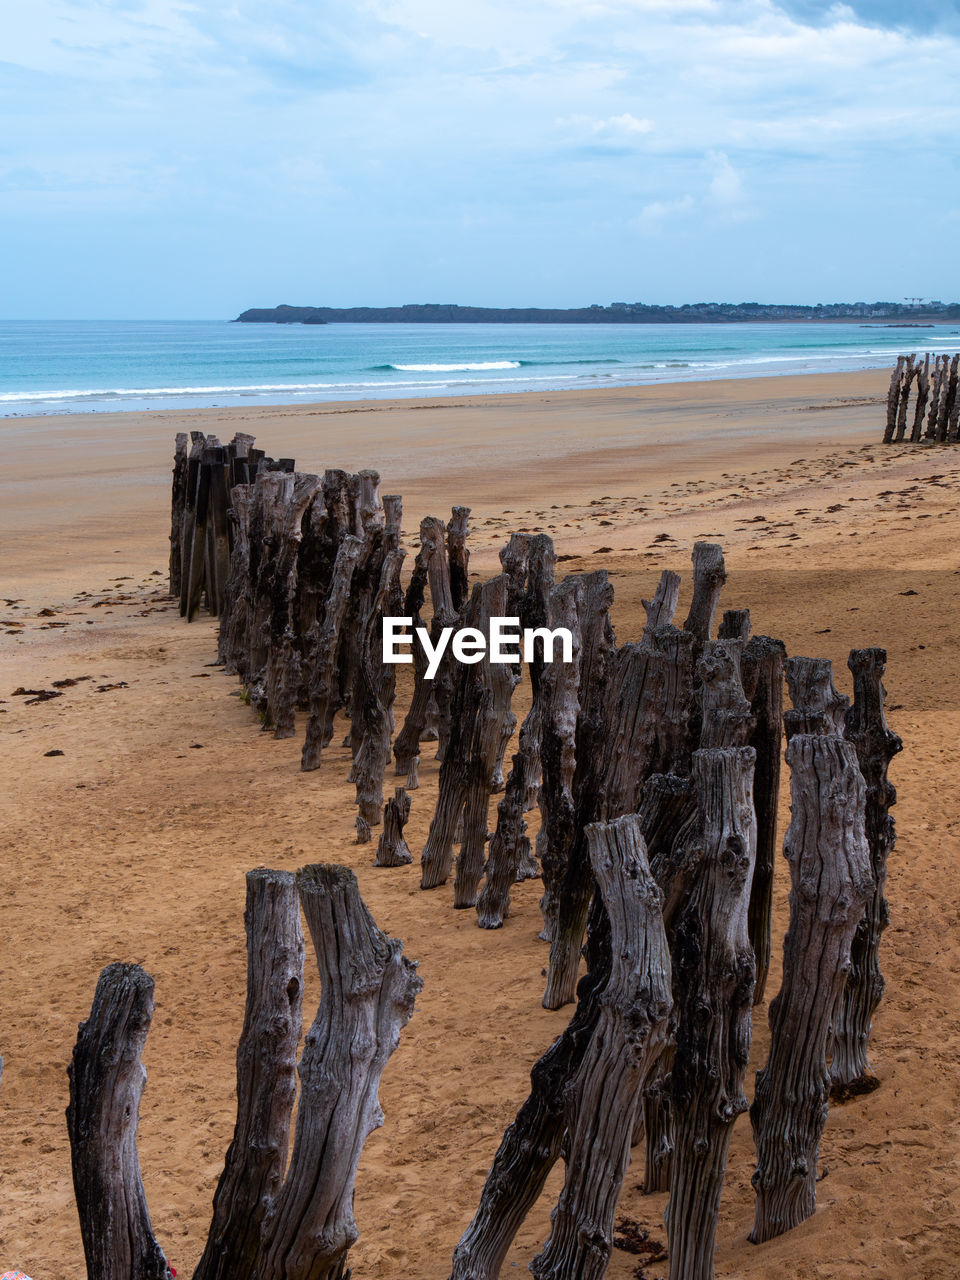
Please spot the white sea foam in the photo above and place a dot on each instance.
(456, 368)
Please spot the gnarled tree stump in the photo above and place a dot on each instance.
(829, 860)
(713, 976)
(709, 575)
(324, 676)
(367, 997)
(392, 849)
(106, 1084)
(875, 745)
(761, 668)
(634, 1012)
(266, 1078)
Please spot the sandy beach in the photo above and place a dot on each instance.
(132, 844)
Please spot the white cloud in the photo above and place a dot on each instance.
(660, 211)
(725, 192)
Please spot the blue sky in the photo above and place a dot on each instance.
(168, 159)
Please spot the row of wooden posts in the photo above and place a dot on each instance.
(936, 399)
(655, 764)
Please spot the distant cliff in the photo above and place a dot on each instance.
(615, 313)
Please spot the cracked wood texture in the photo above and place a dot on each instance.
(178, 493)
(373, 696)
(324, 674)
(720, 708)
(509, 852)
(266, 1078)
(826, 847)
(480, 708)
(713, 977)
(106, 1083)
(599, 1103)
(531, 1145)
(709, 575)
(875, 745)
(406, 748)
(367, 996)
(283, 671)
(761, 668)
(566, 869)
(392, 850)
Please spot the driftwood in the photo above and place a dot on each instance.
(392, 849)
(875, 745)
(266, 1078)
(634, 1012)
(367, 996)
(713, 976)
(829, 860)
(761, 667)
(106, 1084)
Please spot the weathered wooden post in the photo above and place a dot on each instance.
(761, 668)
(713, 976)
(283, 667)
(458, 556)
(368, 990)
(481, 703)
(634, 1012)
(875, 745)
(266, 1078)
(392, 850)
(709, 575)
(430, 565)
(178, 493)
(572, 720)
(923, 392)
(829, 860)
(893, 401)
(324, 674)
(373, 695)
(906, 381)
(106, 1084)
(509, 852)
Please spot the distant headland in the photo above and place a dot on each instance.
(614, 313)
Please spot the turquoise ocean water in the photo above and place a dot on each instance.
(101, 366)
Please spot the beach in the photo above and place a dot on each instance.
(133, 843)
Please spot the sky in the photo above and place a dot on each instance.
(166, 159)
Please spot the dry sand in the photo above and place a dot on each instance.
(133, 844)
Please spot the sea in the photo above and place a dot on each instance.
(49, 367)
